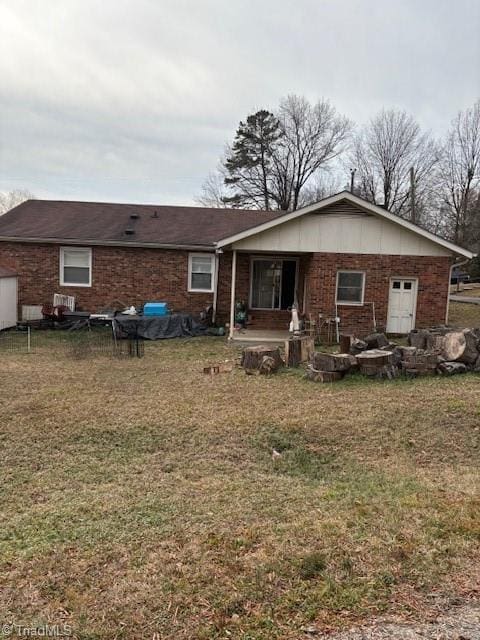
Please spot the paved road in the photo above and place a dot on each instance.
(463, 623)
(467, 299)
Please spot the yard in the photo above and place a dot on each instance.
(140, 497)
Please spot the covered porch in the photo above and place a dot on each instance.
(264, 287)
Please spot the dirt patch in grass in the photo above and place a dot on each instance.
(141, 496)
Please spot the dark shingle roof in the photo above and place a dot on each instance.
(107, 222)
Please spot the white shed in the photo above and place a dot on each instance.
(8, 298)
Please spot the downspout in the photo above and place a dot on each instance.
(232, 295)
(454, 264)
(215, 285)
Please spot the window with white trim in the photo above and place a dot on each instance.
(75, 267)
(201, 272)
(350, 287)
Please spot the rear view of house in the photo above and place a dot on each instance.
(342, 257)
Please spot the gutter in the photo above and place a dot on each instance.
(107, 243)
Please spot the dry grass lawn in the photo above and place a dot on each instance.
(464, 315)
(140, 497)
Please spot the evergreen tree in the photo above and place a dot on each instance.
(248, 163)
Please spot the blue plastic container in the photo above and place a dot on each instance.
(155, 309)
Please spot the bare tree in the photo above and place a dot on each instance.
(384, 152)
(313, 135)
(460, 176)
(11, 199)
(213, 193)
(327, 183)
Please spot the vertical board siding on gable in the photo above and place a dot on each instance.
(342, 228)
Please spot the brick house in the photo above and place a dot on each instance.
(341, 257)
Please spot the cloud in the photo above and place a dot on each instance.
(134, 99)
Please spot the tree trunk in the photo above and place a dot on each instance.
(451, 368)
(374, 362)
(322, 376)
(376, 340)
(461, 346)
(345, 342)
(297, 350)
(418, 338)
(331, 361)
(261, 359)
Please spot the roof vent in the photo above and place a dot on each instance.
(129, 231)
(155, 214)
(134, 216)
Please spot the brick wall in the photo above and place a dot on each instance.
(433, 282)
(128, 275)
(136, 275)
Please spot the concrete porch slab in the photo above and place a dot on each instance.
(260, 335)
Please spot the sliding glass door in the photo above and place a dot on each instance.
(273, 283)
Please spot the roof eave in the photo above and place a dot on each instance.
(109, 243)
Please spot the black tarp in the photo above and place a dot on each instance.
(176, 325)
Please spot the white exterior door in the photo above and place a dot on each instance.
(402, 304)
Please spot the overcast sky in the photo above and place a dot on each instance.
(133, 100)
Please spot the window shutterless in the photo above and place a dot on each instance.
(75, 267)
(201, 270)
(350, 287)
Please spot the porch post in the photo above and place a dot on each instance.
(232, 295)
(215, 288)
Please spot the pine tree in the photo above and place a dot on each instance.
(248, 164)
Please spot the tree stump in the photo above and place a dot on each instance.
(436, 342)
(373, 362)
(331, 361)
(461, 346)
(452, 368)
(418, 338)
(322, 376)
(420, 363)
(346, 340)
(298, 349)
(376, 340)
(261, 359)
(357, 346)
